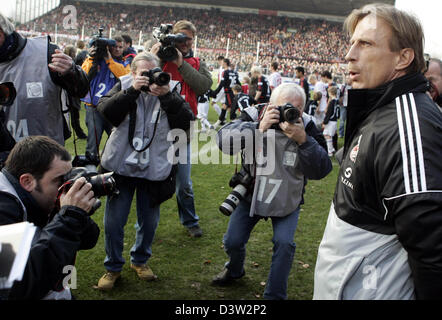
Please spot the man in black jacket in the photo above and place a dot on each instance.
(383, 238)
(142, 113)
(29, 185)
(39, 70)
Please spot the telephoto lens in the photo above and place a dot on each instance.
(232, 200)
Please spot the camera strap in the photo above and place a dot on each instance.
(132, 122)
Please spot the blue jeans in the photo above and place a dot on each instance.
(115, 218)
(96, 124)
(342, 120)
(237, 235)
(184, 193)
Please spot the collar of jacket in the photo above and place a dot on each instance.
(33, 210)
(362, 102)
(189, 54)
(130, 50)
(14, 50)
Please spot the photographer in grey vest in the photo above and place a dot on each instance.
(29, 189)
(297, 151)
(39, 70)
(142, 113)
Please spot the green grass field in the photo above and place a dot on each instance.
(185, 265)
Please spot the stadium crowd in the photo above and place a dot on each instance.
(290, 41)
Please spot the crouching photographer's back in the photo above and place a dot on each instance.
(29, 191)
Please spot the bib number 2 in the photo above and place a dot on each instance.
(102, 87)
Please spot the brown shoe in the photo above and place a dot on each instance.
(144, 272)
(107, 281)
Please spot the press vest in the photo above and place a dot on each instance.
(37, 107)
(103, 81)
(279, 193)
(186, 91)
(150, 164)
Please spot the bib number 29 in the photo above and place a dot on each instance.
(138, 157)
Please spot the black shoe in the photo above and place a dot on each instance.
(195, 232)
(224, 278)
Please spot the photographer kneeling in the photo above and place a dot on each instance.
(299, 153)
(29, 186)
(143, 110)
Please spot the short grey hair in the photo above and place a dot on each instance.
(6, 25)
(146, 56)
(288, 90)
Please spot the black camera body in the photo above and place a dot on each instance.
(241, 182)
(102, 184)
(7, 94)
(157, 76)
(287, 112)
(168, 41)
(102, 44)
(241, 177)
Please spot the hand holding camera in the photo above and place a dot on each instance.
(270, 118)
(99, 46)
(167, 50)
(154, 81)
(140, 82)
(286, 118)
(80, 195)
(91, 184)
(294, 131)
